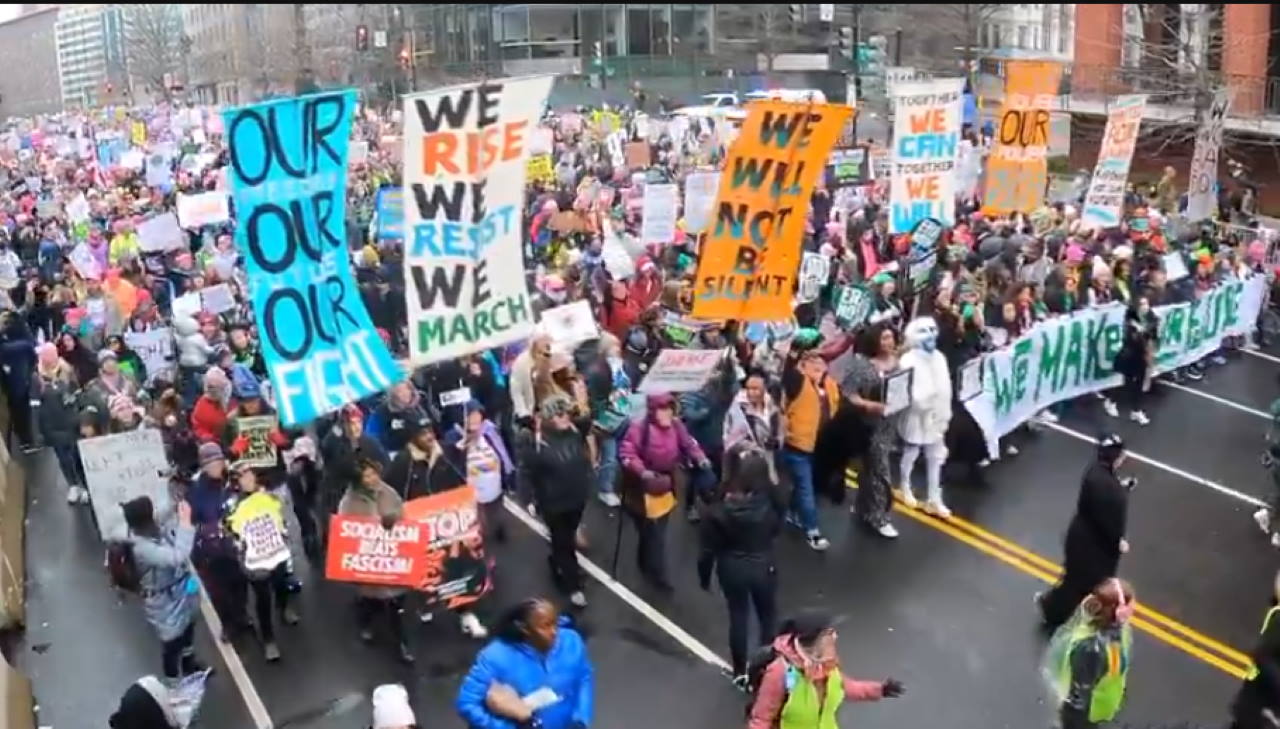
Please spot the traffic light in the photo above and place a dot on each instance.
(362, 38)
(845, 42)
(796, 13)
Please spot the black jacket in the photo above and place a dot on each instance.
(342, 461)
(415, 477)
(59, 413)
(1139, 333)
(1093, 539)
(740, 528)
(559, 470)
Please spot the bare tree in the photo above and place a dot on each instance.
(153, 42)
(962, 25)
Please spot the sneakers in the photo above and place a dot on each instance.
(272, 652)
(817, 542)
(578, 599)
(887, 531)
(289, 616)
(1011, 450)
(1139, 417)
(1194, 372)
(1109, 406)
(908, 499)
(471, 627)
(1218, 359)
(1263, 519)
(77, 495)
(938, 509)
(1047, 417)
(426, 616)
(742, 682)
(405, 655)
(610, 499)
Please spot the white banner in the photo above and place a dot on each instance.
(207, 208)
(700, 200)
(571, 324)
(155, 348)
(1105, 198)
(658, 214)
(161, 233)
(463, 211)
(120, 468)
(1070, 356)
(926, 148)
(680, 370)
(1202, 197)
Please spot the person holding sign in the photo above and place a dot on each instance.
(1137, 354)
(863, 386)
(556, 469)
(810, 400)
(257, 522)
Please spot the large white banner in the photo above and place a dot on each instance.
(1202, 197)
(926, 149)
(464, 173)
(120, 468)
(658, 214)
(1070, 356)
(1105, 198)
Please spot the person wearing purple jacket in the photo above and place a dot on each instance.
(653, 453)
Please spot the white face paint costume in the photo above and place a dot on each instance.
(923, 425)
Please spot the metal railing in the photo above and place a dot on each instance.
(1253, 95)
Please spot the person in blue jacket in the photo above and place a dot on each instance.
(534, 675)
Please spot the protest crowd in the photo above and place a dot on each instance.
(314, 330)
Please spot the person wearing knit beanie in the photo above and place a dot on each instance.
(391, 708)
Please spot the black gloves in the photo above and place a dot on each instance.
(892, 688)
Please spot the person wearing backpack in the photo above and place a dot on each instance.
(801, 686)
(169, 589)
(256, 520)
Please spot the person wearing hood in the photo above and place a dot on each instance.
(110, 383)
(554, 469)
(802, 687)
(194, 352)
(211, 411)
(1096, 537)
(489, 466)
(1086, 665)
(145, 705)
(341, 452)
(245, 350)
(535, 652)
(392, 421)
(18, 356)
(58, 417)
(214, 555)
(654, 453)
(736, 539)
(170, 592)
(703, 412)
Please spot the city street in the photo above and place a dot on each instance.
(946, 608)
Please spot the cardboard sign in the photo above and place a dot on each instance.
(261, 452)
(680, 370)
(457, 572)
(700, 200)
(815, 269)
(925, 149)
(188, 305)
(637, 155)
(120, 468)
(658, 214)
(1104, 201)
(570, 324)
(1018, 167)
(154, 348)
(217, 299)
(569, 221)
(363, 552)
(207, 208)
(853, 305)
(161, 233)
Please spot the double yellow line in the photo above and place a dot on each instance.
(1158, 625)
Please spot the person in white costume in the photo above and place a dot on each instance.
(923, 424)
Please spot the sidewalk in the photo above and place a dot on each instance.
(84, 645)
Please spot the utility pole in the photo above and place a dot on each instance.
(856, 9)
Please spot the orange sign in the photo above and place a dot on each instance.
(752, 253)
(361, 550)
(1018, 168)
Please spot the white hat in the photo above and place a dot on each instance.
(391, 707)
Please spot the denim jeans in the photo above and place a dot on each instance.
(800, 466)
(607, 471)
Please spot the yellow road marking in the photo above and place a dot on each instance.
(1159, 626)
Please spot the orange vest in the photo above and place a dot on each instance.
(804, 413)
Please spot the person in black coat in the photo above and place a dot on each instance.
(1141, 338)
(18, 356)
(1095, 540)
(737, 536)
(1257, 703)
(343, 449)
(427, 465)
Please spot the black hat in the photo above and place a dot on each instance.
(138, 513)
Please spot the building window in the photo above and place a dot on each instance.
(639, 31)
(514, 22)
(691, 29)
(995, 36)
(553, 23)
(1022, 41)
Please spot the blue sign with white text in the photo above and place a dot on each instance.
(288, 171)
(389, 205)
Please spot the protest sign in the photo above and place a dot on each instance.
(154, 348)
(748, 264)
(1018, 166)
(637, 155)
(389, 207)
(48, 208)
(359, 153)
(969, 379)
(1064, 358)
(457, 570)
(206, 208)
(85, 264)
(699, 200)
(1202, 195)
(853, 305)
(258, 522)
(161, 233)
(1105, 198)
(159, 170)
(217, 299)
(188, 305)
(848, 167)
(256, 430)
(617, 259)
(541, 141)
(120, 468)
(570, 324)
(540, 169)
(132, 159)
(897, 391)
(465, 284)
(569, 221)
(815, 269)
(9, 277)
(138, 133)
(680, 370)
(78, 209)
(458, 396)
(1175, 267)
(288, 175)
(362, 551)
(926, 147)
(658, 214)
(881, 163)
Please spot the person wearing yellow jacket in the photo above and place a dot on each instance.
(1087, 664)
(1257, 704)
(124, 244)
(257, 521)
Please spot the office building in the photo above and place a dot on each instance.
(28, 42)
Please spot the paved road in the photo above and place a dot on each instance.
(946, 608)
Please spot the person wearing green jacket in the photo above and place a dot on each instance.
(1087, 664)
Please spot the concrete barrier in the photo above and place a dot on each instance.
(18, 703)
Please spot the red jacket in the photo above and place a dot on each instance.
(209, 420)
(624, 314)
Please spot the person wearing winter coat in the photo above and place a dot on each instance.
(18, 356)
(736, 538)
(214, 555)
(256, 519)
(535, 650)
(371, 497)
(655, 452)
(392, 421)
(555, 468)
(130, 363)
(489, 466)
(78, 356)
(703, 410)
(523, 399)
(803, 686)
(753, 417)
(1257, 703)
(1136, 356)
(810, 401)
(211, 411)
(59, 417)
(110, 383)
(609, 394)
(194, 352)
(170, 592)
(342, 451)
(144, 705)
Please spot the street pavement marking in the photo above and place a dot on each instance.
(1215, 398)
(1226, 490)
(1156, 624)
(1261, 355)
(252, 701)
(681, 636)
